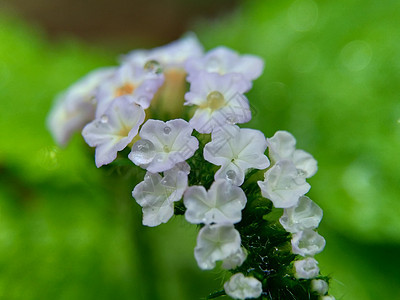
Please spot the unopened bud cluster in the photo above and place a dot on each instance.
(116, 109)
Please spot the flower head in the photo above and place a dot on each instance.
(216, 242)
(283, 185)
(223, 60)
(223, 203)
(241, 287)
(306, 268)
(156, 195)
(114, 130)
(304, 215)
(131, 80)
(236, 150)
(76, 107)
(307, 243)
(163, 145)
(319, 286)
(219, 100)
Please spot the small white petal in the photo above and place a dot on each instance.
(235, 260)
(305, 215)
(282, 146)
(283, 185)
(223, 60)
(319, 286)
(223, 203)
(170, 56)
(114, 130)
(155, 215)
(216, 242)
(305, 163)
(306, 268)
(236, 149)
(171, 143)
(307, 243)
(241, 287)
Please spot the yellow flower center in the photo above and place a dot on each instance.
(125, 89)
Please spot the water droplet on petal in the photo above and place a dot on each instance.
(153, 66)
(301, 172)
(143, 151)
(104, 119)
(213, 64)
(231, 120)
(230, 175)
(167, 130)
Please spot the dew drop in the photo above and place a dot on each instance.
(167, 130)
(231, 175)
(213, 64)
(301, 172)
(153, 66)
(104, 119)
(143, 151)
(231, 120)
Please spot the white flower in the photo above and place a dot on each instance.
(319, 286)
(216, 242)
(219, 100)
(306, 268)
(223, 203)
(235, 260)
(163, 145)
(173, 55)
(240, 287)
(305, 215)
(131, 80)
(223, 60)
(283, 185)
(75, 107)
(236, 150)
(282, 146)
(307, 243)
(114, 130)
(156, 195)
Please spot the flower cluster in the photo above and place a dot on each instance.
(204, 165)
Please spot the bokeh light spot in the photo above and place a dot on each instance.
(356, 55)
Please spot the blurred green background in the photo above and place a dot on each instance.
(332, 78)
